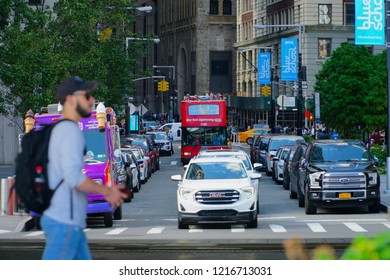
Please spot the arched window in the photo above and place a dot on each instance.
(213, 7)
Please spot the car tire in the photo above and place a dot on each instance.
(309, 207)
(375, 208)
(181, 225)
(118, 213)
(108, 219)
(250, 139)
(301, 199)
(291, 193)
(253, 223)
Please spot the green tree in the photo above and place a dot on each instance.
(351, 83)
(40, 47)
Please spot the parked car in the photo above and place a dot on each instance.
(151, 151)
(287, 167)
(142, 162)
(278, 163)
(294, 170)
(338, 173)
(132, 169)
(145, 158)
(216, 190)
(163, 142)
(274, 143)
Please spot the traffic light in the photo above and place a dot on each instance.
(160, 85)
(166, 86)
(311, 117)
(266, 91)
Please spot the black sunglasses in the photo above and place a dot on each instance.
(87, 95)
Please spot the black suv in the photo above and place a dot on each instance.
(257, 149)
(338, 173)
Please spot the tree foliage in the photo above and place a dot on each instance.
(39, 47)
(352, 86)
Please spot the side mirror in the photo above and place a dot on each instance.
(257, 166)
(176, 177)
(255, 176)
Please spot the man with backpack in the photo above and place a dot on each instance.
(65, 219)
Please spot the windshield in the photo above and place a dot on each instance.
(277, 143)
(242, 157)
(216, 170)
(204, 136)
(161, 136)
(95, 142)
(142, 142)
(342, 152)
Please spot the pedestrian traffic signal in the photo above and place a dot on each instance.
(311, 117)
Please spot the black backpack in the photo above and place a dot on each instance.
(31, 180)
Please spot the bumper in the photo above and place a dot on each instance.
(98, 207)
(217, 216)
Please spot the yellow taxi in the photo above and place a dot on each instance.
(244, 136)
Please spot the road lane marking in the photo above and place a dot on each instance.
(277, 228)
(156, 230)
(355, 227)
(316, 227)
(237, 228)
(386, 224)
(174, 162)
(35, 233)
(117, 231)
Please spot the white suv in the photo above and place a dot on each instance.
(216, 190)
(275, 143)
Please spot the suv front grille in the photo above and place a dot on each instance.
(217, 196)
(344, 181)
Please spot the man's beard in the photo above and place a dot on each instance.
(82, 112)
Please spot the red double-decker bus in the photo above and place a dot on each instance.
(204, 126)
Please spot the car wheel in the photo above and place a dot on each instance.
(250, 139)
(108, 220)
(158, 164)
(375, 208)
(118, 213)
(291, 192)
(301, 199)
(309, 207)
(253, 223)
(181, 225)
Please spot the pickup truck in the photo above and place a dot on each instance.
(338, 173)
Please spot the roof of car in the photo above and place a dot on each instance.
(222, 151)
(276, 137)
(337, 141)
(216, 159)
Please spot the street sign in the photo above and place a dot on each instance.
(304, 85)
(286, 101)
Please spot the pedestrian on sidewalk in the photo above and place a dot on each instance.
(65, 220)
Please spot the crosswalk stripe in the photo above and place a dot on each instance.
(355, 227)
(237, 228)
(316, 227)
(277, 228)
(35, 233)
(174, 162)
(156, 230)
(4, 231)
(195, 230)
(387, 224)
(116, 231)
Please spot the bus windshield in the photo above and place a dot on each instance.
(95, 142)
(204, 136)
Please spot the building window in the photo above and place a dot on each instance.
(227, 7)
(349, 13)
(324, 14)
(213, 7)
(34, 2)
(324, 48)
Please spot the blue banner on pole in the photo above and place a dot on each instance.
(289, 70)
(264, 68)
(370, 22)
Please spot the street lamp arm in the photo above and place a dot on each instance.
(152, 77)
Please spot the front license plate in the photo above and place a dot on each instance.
(345, 195)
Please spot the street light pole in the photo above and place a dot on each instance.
(300, 74)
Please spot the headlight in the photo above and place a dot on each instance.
(250, 191)
(372, 178)
(315, 179)
(185, 192)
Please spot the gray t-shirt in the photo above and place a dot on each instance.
(66, 161)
